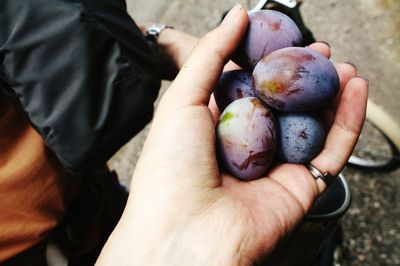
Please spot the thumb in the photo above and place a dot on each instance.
(195, 82)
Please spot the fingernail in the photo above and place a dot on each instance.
(231, 14)
(350, 63)
(326, 43)
(364, 78)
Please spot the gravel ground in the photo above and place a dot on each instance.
(364, 32)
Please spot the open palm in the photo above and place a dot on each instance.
(183, 210)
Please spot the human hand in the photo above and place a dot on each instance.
(183, 210)
(174, 48)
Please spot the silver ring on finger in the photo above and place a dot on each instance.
(317, 174)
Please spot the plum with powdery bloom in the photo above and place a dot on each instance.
(301, 137)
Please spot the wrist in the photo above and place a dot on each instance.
(153, 32)
(172, 46)
(140, 242)
(179, 243)
(176, 45)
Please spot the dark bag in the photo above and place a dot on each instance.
(83, 73)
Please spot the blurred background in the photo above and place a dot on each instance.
(363, 32)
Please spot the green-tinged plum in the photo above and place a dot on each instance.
(246, 138)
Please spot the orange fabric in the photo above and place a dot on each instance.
(34, 187)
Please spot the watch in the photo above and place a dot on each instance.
(154, 31)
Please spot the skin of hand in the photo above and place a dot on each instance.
(174, 47)
(182, 210)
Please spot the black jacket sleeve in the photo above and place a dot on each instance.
(83, 73)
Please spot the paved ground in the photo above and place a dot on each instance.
(364, 32)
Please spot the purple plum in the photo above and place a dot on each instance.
(301, 137)
(246, 138)
(268, 31)
(296, 79)
(233, 85)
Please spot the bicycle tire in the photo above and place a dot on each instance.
(390, 130)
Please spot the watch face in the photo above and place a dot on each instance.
(155, 29)
(153, 32)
